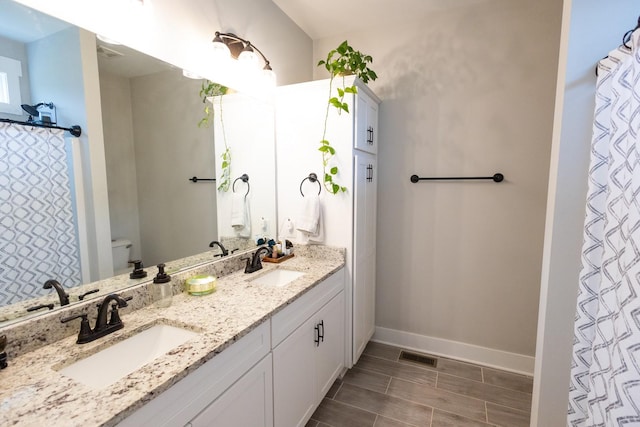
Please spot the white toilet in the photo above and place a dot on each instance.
(121, 249)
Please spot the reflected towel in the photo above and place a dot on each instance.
(240, 216)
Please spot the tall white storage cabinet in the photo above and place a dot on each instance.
(349, 218)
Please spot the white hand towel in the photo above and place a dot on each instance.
(238, 210)
(309, 216)
(318, 236)
(240, 215)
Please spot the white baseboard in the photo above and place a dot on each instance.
(499, 359)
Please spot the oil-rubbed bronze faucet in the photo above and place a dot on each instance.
(3, 354)
(224, 250)
(64, 297)
(254, 263)
(102, 328)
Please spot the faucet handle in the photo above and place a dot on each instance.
(115, 316)
(85, 329)
(93, 291)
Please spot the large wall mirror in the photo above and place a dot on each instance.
(148, 114)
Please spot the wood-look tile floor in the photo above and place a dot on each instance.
(383, 391)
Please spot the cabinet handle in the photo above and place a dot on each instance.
(370, 173)
(321, 334)
(317, 335)
(370, 135)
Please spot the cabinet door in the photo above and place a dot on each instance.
(364, 251)
(294, 386)
(247, 403)
(366, 133)
(330, 349)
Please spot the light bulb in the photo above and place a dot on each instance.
(269, 76)
(248, 58)
(191, 75)
(221, 51)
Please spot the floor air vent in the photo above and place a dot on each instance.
(419, 358)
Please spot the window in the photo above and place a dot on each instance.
(4, 88)
(10, 73)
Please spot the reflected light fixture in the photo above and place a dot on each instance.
(108, 40)
(191, 75)
(227, 45)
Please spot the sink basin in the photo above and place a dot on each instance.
(119, 360)
(279, 277)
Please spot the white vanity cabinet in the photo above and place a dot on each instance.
(220, 390)
(349, 218)
(308, 353)
(275, 375)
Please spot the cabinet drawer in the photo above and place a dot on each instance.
(188, 397)
(287, 320)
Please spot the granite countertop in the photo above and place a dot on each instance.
(33, 393)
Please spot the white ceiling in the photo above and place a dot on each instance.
(325, 18)
(23, 24)
(18, 22)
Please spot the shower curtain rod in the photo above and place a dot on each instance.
(626, 38)
(74, 130)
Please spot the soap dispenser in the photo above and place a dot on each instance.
(162, 289)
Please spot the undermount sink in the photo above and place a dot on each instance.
(119, 360)
(278, 278)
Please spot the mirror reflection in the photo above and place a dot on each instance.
(145, 120)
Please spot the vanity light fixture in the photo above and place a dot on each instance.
(228, 45)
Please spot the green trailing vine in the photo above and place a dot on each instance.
(210, 89)
(342, 61)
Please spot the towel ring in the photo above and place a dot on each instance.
(244, 178)
(312, 178)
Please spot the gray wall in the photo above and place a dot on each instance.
(115, 94)
(466, 90)
(177, 218)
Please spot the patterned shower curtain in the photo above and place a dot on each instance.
(38, 239)
(605, 375)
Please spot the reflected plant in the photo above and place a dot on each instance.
(212, 90)
(342, 61)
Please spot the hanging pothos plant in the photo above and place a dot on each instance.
(340, 62)
(211, 90)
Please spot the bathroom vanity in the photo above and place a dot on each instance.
(274, 349)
